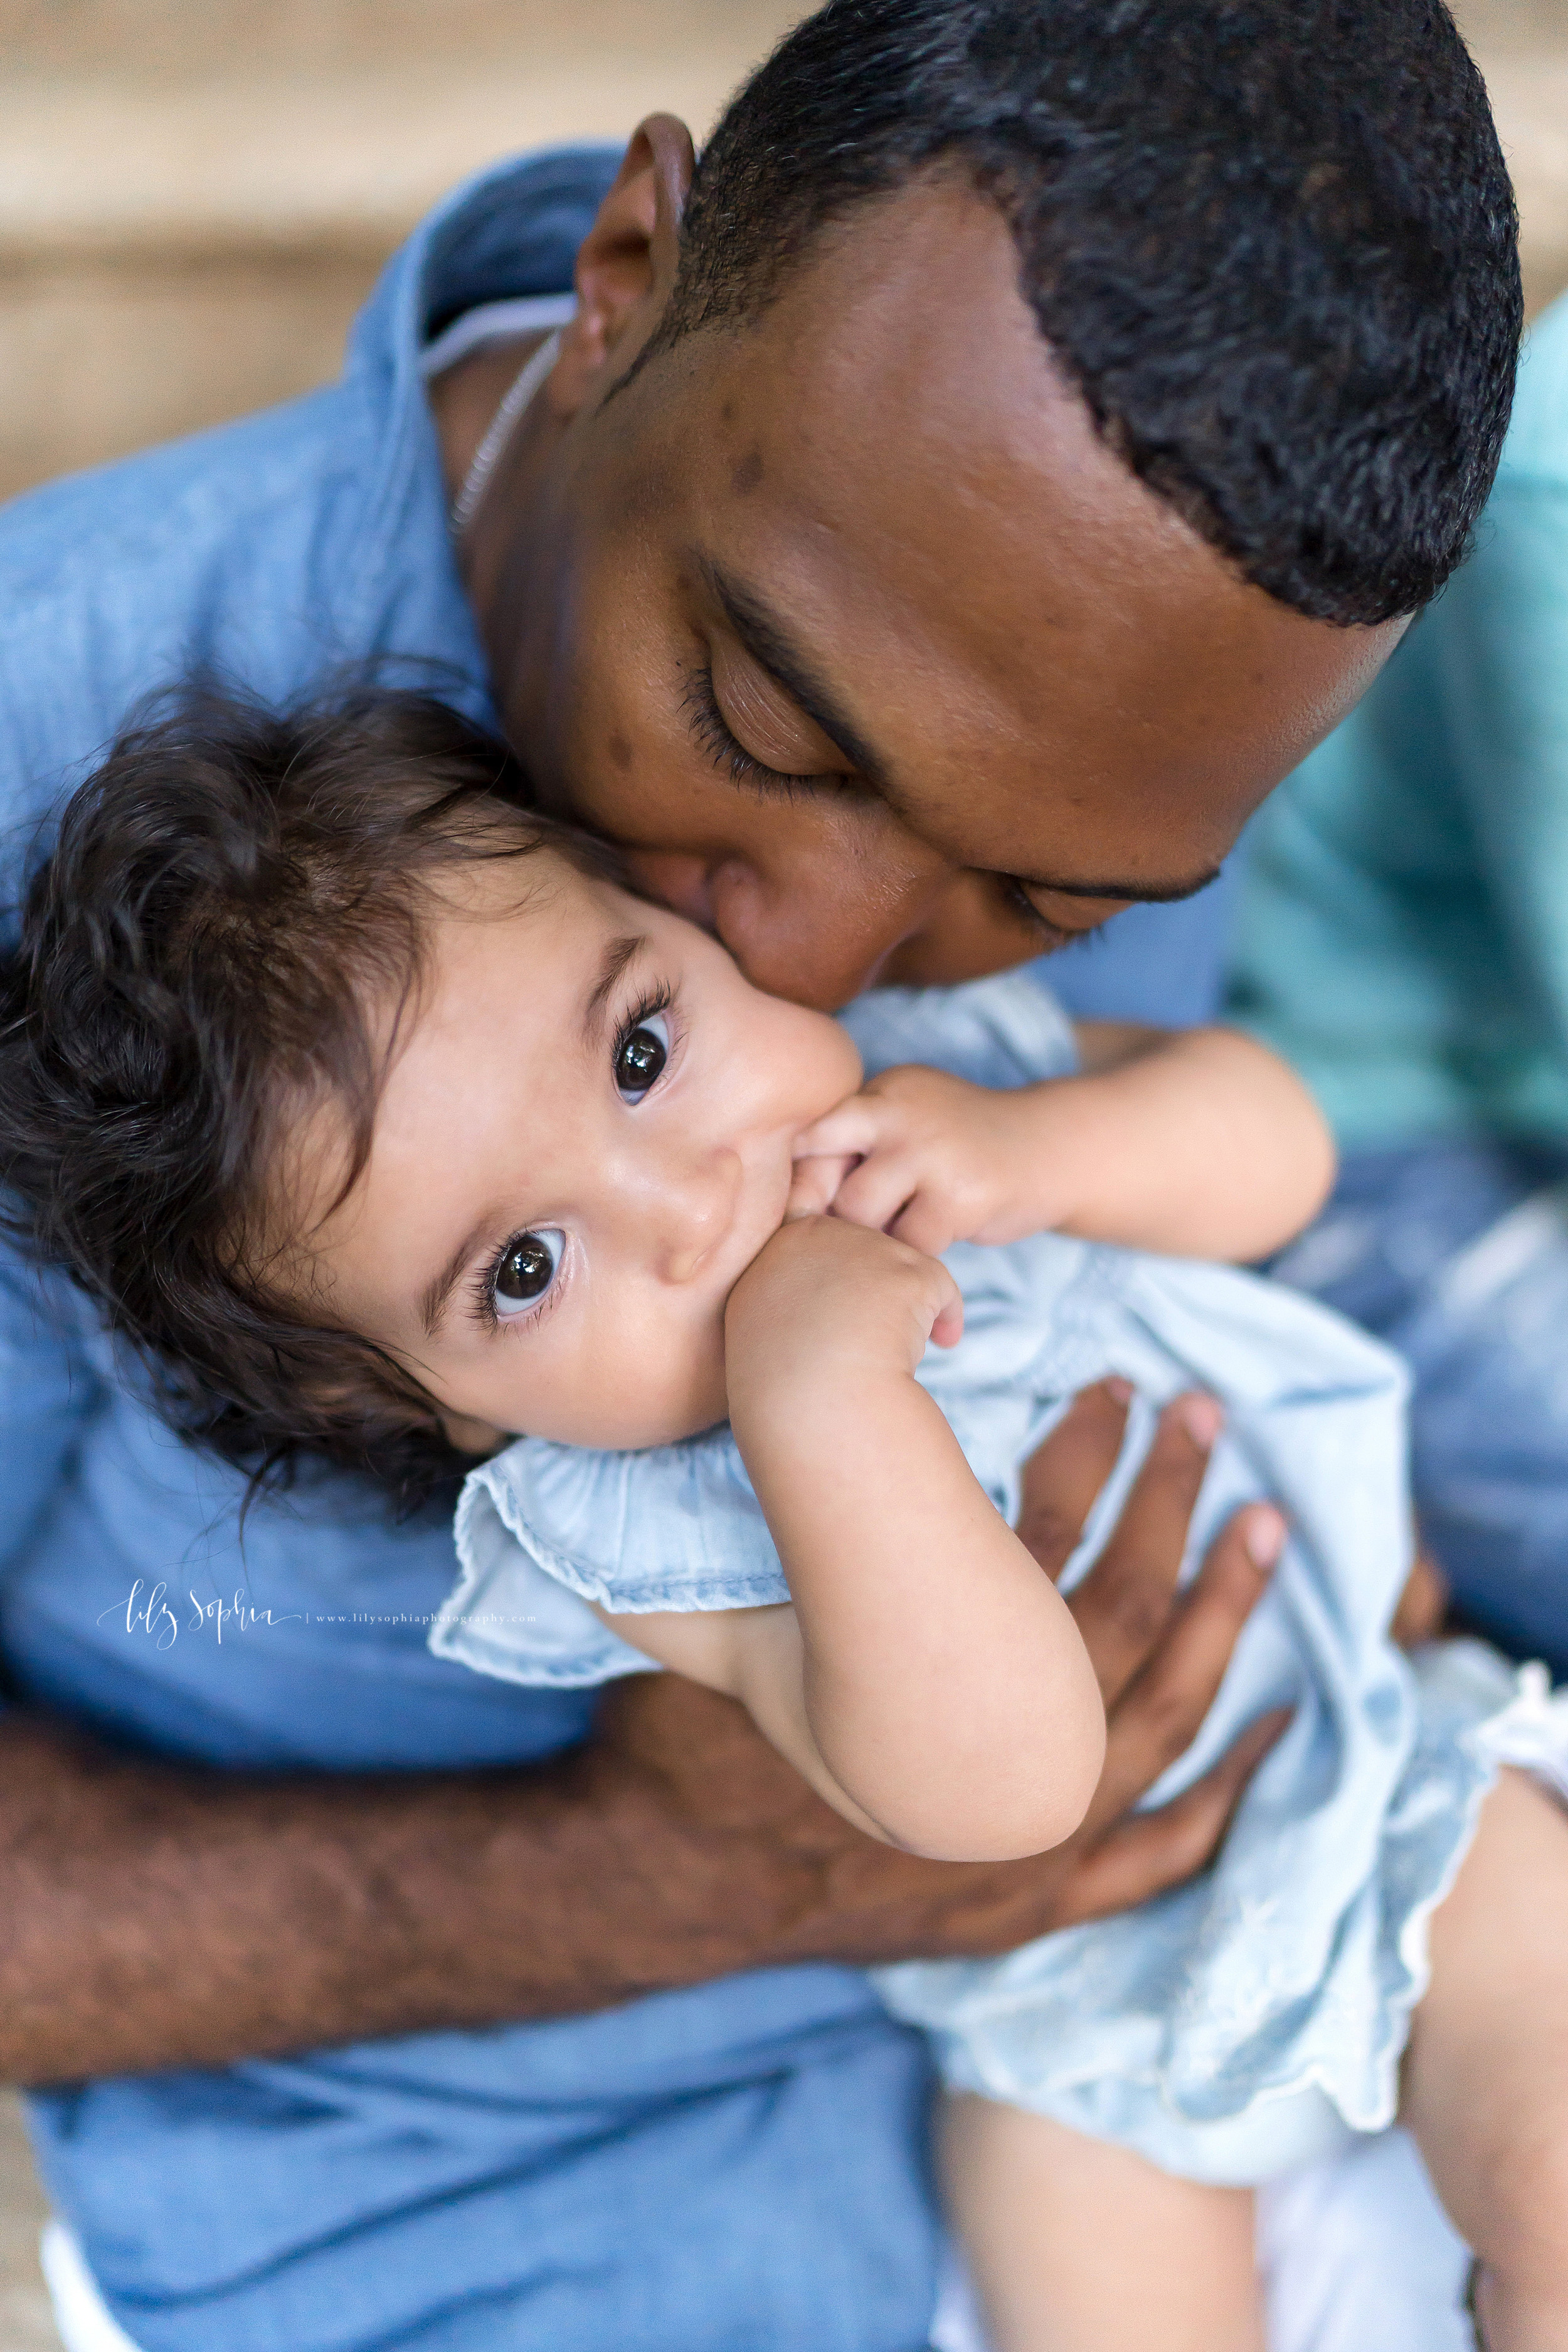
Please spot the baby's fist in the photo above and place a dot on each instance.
(826, 1309)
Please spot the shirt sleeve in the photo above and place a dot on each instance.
(1404, 927)
(49, 1387)
(1004, 1031)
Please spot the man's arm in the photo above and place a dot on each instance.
(153, 1916)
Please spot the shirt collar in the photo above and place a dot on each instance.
(511, 233)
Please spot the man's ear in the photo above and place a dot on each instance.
(626, 268)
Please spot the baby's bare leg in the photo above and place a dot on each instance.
(1080, 2246)
(1485, 2076)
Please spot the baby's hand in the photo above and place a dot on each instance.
(826, 1309)
(927, 1157)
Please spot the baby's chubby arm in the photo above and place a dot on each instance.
(1199, 1142)
(929, 1680)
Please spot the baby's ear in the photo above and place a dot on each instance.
(469, 1436)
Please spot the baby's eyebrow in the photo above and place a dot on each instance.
(617, 957)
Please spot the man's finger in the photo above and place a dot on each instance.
(1147, 1853)
(1164, 1706)
(1063, 1477)
(1124, 1603)
(1423, 1605)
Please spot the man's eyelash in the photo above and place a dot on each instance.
(1051, 935)
(707, 724)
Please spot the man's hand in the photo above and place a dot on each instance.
(154, 1915)
(1160, 1658)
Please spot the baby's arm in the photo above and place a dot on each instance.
(1199, 1142)
(928, 1679)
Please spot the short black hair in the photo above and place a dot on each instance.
(1272, 242)
(231, 900)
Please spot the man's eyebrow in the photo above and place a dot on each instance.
(767, 639)
(1144, 894)
(617, 955)
(436, 1295)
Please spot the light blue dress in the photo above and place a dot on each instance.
(1252, 2020)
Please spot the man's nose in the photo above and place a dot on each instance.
(820, 930)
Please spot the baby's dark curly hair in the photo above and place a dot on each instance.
(234, 902)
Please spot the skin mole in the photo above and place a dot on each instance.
(747, 474)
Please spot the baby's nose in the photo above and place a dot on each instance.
(696, 1213)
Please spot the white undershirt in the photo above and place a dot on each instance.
(494, 322)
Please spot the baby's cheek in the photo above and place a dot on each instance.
(649, 1380)
(694, 1396)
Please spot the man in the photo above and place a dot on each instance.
(1029, 448)
(1404, 938)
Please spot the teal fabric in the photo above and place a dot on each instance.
(1403, 929)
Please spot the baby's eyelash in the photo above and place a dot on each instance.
(707, 724)
(482, 1283)
(653, 1000)
(482, 1293)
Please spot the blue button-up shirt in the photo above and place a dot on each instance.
(741, 2164)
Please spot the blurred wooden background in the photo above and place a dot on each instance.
(197, 194)
(194, 195)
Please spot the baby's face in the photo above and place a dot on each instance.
(583, 1140)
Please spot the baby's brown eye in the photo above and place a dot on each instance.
(640, 1056)
(526, 1269)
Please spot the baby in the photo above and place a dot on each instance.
(386, 1125)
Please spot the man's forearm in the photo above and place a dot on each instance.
(157, 1917)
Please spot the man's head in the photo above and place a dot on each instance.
(1023, 440)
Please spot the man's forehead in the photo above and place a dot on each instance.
(896, 419)
(959, 769)
(903, 346)
(1050, 673)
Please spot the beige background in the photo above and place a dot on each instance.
(195, 195)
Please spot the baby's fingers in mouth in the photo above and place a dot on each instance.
(814, 1185)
